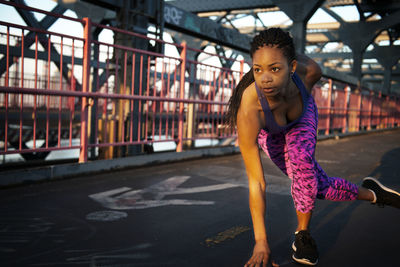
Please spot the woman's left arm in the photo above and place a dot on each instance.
(308, 70)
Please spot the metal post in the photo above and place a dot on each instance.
(85, 88)
(241, 68)
(181, 96)
(328, 108)
(345, 111)
(397, 99)
(359, 103)
(387, 112)
(93, 126)
(370, 110)
(393, 111)
(380, 111)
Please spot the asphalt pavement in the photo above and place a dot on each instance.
(195, 213)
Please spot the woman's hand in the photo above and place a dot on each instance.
(261, 256)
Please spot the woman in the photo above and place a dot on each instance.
(273, 109)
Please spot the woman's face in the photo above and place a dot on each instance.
(272, 70)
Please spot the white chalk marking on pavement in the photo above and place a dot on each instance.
(106, 215)
(152, 196)
(328, 161)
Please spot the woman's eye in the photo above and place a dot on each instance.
(275, 69)
(256, 70)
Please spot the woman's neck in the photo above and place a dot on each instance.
(288, 92)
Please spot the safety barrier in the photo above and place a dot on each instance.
(343, 108)
(116, 98)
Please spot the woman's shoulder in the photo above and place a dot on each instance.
(249, 120)
(250, 94)
(250, 104)
(308, 71)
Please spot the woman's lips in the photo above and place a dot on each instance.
(269, 89)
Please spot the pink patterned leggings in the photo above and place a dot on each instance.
(293, 151)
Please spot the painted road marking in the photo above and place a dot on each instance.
(106, 215)
(125, 198)
(226, 235)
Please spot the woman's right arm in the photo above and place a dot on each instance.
(248, 125)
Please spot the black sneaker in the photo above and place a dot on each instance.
(304, 248)
(384, 195)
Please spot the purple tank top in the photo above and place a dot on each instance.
(271, 126)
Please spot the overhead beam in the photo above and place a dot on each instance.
(197, 6)
(183, 21)
(340, 55)
(45, 23)
(330, 73)
(379, 7)
(30, 20)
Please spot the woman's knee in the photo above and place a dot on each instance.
(302, 161)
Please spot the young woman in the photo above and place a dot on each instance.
(273, 109)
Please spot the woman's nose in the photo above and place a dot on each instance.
(266, 78)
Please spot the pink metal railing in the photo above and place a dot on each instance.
(124, 96)
(343, 110)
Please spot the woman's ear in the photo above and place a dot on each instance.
(293, 66)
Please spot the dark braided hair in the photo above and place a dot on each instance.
(269, 37)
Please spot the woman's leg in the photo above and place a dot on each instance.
(337, 189)
(300, 165)
(274, 146)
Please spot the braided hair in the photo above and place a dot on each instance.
(269, 37)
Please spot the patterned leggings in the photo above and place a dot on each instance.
(293, 151)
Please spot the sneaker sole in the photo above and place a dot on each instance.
(302, 261)
(381, 185)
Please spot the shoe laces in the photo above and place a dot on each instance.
(305, 239)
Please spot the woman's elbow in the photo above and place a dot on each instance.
(315, 72)
(257, 186)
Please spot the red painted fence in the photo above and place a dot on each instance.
(114, 97)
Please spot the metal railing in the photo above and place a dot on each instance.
(116, 98)
(108, 95)
(345, 109)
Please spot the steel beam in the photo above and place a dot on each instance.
(379, 6)
(45, 23)
(183, 21)
(197, 6)
(299, 11)
(31, 21)
(359, 35)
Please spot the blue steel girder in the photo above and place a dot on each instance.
(299, 11)
(185, 22)
(30, 20)
(360, 11)
(222, 53)
(333, 14)
(381, 6)
(367, 30)
(193, 55)
(180, 20)
(29, 53)
(387, 56)
(359, 35)
(45, 23)
(197, 6)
